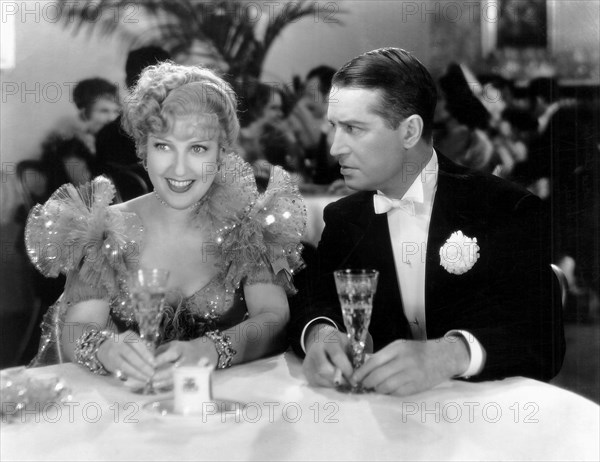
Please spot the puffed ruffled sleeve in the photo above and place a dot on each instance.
(265, 245)
(76, 233)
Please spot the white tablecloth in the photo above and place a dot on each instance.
(285, 419)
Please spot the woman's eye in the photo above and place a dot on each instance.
(160, 146)
(198, 149)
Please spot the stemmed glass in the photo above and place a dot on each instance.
(356, 289)
(147, 288)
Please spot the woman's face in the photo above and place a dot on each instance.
(103, 111)
(182, 163)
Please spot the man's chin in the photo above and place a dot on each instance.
(354, 185)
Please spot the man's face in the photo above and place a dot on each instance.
(371, 155)
(103, 111)
(315, 100)
(273, 111)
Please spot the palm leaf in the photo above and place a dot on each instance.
(223, 23)
(295, 11)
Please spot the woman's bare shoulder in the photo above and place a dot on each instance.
(136, 205)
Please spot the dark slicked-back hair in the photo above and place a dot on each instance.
(404, 84)
(88, 91)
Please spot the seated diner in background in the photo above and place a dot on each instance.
(69, 152)
(115, 150)
(231, 252)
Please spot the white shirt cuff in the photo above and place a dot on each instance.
(476, 353)
(322, 318)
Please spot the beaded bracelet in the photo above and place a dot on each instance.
(223, 346)
(86, 350)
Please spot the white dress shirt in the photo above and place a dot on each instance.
(408, 221)
(409, 229)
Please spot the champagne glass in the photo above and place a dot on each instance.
(356, 289)
(147, 288)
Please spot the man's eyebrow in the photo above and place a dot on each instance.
(348, 122)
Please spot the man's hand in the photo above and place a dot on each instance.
(405, 367)
(326, 351)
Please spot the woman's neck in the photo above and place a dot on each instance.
(167, 217)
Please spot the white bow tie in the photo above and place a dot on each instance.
(384, 204)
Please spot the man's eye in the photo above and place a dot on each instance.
(350, 128)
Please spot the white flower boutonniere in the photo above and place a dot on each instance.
(459, 254)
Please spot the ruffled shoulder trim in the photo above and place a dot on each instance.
(76, 229)
(229, 198)
(258, 234)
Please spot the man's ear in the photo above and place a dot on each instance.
(83, 114)
(413, 130)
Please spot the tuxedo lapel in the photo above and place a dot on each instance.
(371, 237)
(373, 249)
(452, 211)
(443, 216)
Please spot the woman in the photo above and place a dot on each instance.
(69, 154)
(223, 243)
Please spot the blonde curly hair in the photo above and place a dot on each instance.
(167, 90)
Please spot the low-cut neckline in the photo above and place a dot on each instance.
(174, 290)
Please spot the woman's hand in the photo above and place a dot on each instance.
(181, 353)
(126, 356)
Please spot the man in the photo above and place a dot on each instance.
(308, 117)
(465, 287)
(115, 150)
(309, 121)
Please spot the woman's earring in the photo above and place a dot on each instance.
(220, 158)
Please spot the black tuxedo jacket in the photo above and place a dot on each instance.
(509, 300)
